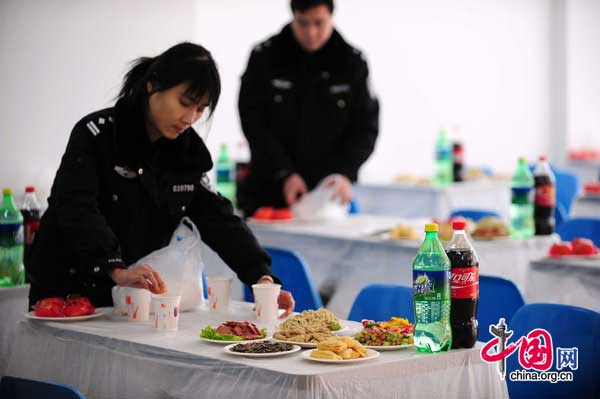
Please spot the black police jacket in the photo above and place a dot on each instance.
(310, 113)
(117, 197)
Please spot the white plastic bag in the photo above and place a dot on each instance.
(320, 204)
(180, 265)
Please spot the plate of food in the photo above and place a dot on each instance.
(58, 309)
(306, 337)
(268, 214)
(395, 334)
(579, 248)
(321, 318)
(232, 332)
(340, 350)
(490, 228)
(261, 349)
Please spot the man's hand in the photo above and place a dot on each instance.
(343, 188)
(293, 188)
(142, 276)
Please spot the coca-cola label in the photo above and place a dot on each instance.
(30, 229)
(464, 282)
(545, 195)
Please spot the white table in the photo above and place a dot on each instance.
(570, 282)
(344, 254)
(112, 358)
(13, 303)
(587, 171)
(413, 200)
(586, 206)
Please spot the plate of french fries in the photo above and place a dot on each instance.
(340, 350)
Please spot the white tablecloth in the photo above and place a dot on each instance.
(411, 200)
(343, 253)
(13, 303)
(112, 358)
(570, 282)
(586, 207)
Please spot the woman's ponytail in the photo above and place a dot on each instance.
(136, 77)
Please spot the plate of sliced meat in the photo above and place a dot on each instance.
(233, 332)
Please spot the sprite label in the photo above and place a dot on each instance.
(430, 285)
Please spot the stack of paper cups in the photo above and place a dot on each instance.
(166, 312)
(219, 292)
(138, 301)
(265, 299)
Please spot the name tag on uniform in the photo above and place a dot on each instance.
(337, 89)
(183, 188)
(282, 84)
(125, 172)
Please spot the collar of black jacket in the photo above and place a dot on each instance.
(326, 55)
(185, 153)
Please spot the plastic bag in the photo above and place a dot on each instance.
(180, 266)
(320, 204)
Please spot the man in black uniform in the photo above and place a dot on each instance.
(306, 109)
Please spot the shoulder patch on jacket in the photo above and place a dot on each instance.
(92, 127)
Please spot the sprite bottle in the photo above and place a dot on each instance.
(444, 165)
(225, 169)
(431, 293)
(12, 271)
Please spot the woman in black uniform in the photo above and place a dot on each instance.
(128, 176)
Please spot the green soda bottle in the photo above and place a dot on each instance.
(225, 169)
(521, 208)
(431, 293)
(12, 271)
(444, 165)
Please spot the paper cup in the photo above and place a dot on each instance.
(219, 292)
(166, 312)
(138, 304)
(119, 304)
(265, 299)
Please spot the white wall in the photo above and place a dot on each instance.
(63, 59)
(480, 64)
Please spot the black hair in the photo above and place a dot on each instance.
(303, 5)
(186, 62)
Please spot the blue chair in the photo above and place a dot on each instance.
(580, 227)
(567, 187)
(498, 297)
(353, 207)
(295, 277)
(570, 327)
(474, 214)
(379, 302)
(21, 388)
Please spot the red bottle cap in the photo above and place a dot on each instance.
(30, 189)
(543, 158)
(459, 225)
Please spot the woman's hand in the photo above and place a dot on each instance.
(285, 300)
(142, 276)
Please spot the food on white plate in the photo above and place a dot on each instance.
(490, 227)
(262, 347)
(310, 335)
(234, 331)
(74, 306)
(339, 348)
(395, 331)
(321, 318)
(403, 232)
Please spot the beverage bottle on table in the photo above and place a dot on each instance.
(11, 242)
(464, 286)
(31, 221)
(431, 294)
(458, 158)
(545, 198)
(443, 160)
(225, 169)
(521, 209)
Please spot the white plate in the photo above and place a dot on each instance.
(31, 315)
(389, 348)
(342, 331)
(216, 341)
(371, 354)
(227, 349)
(301, 344)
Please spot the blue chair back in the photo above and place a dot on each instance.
(570, 327)
(21, 388)
(379, 302)
(474, 214)
(580, 227)
(567, 187)
(354, 207)
(295, 277)
(498, 297)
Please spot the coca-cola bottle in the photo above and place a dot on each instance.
(458, 157)
(545, 198)
(31, 221)
(464, 286)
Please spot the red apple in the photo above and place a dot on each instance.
(584, 246)
(282, 214)
(264, 213)
(561, 248)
